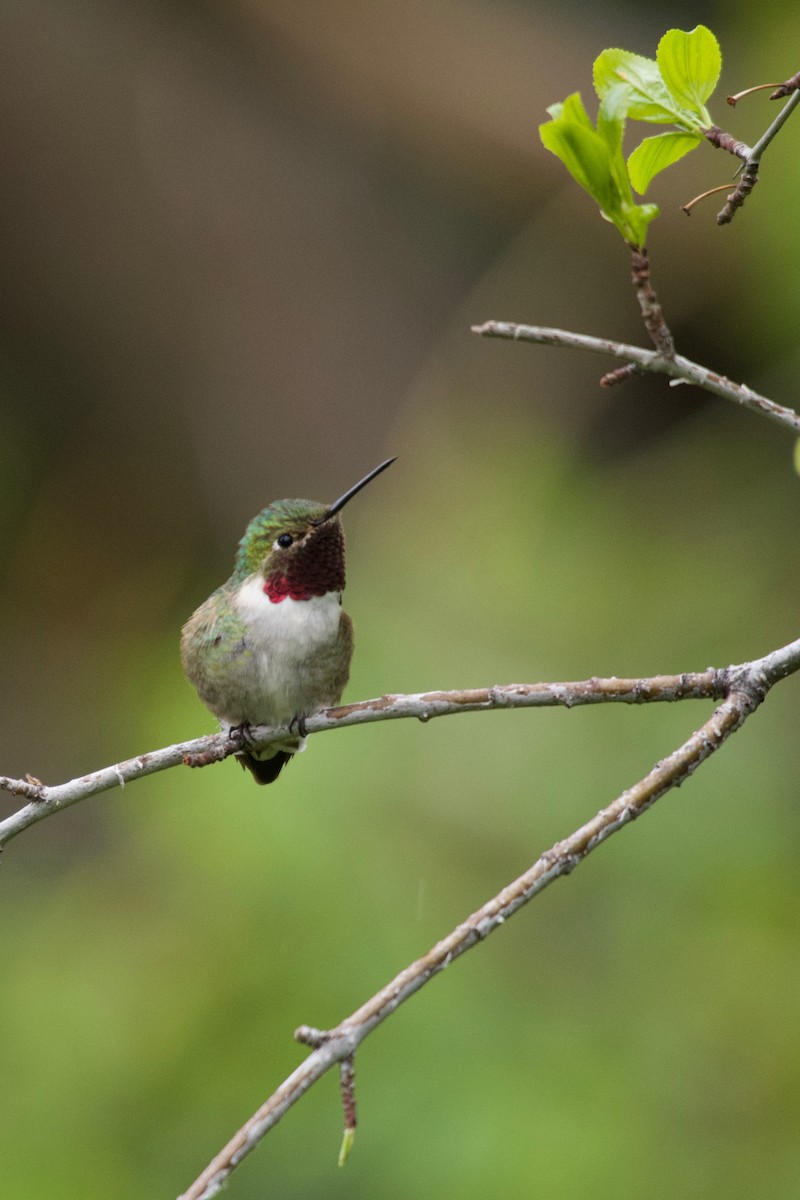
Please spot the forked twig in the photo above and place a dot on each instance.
(750, 156)
(677, 367)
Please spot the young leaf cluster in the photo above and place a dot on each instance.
(671, 89)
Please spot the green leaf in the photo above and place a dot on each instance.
(611, 128)
(594, 159)
(690, 65)
(611, 116)
(572, 109)
(634, 223)
(647, 96)
(348, 1138)
(571, 136)
(656, 153)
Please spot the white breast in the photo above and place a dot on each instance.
(285, 639)
(298, 627)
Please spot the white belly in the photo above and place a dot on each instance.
(289, 643)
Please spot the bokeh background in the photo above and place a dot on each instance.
(241, 246)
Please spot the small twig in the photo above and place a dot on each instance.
(307, 1035)
(726, 141)
(749, 175)
(648, 360)
(652, 315)
(747, 181)
(687, 208)
(786, 88)
(750, 156)
(620, 375)
(760, 87)
(31, 789)
(649, 304)
(774, 128)
(347, 1088)
(746, 686)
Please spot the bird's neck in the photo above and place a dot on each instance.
(315, 567)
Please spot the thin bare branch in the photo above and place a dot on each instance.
(339, 1045)
(749, 176)
(45, 801)
(759, 87)
(786, 88)
(690, 204)
(650, 306)
(678, 368)
(747, 181)
(619, 375)
(726, 141)
(743, 686)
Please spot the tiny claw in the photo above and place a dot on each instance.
(242, 733)
(298, 724)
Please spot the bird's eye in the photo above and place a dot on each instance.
(284, 541)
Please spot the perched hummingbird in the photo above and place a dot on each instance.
(272, 645)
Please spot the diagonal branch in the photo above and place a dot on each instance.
(678, 368)
(750, 156)
(752, 163)
(339, 1045)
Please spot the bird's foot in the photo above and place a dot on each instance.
(298, 724)
(242, 733)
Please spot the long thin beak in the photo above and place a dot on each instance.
(339, 504)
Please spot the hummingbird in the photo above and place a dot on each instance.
(273, 645)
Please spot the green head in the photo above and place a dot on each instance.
(298, 546)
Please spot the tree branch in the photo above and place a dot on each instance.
(678, 368)
(652, 313)
(45, 801)
(750, 156)
(748, 685)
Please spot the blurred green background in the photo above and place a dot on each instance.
(241, 247)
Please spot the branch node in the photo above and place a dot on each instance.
(30, 787)
(748, 681)
(786, 88)
(309, 1036)
(215, 754)
(744, 187)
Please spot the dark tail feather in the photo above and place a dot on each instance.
(265, 770)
